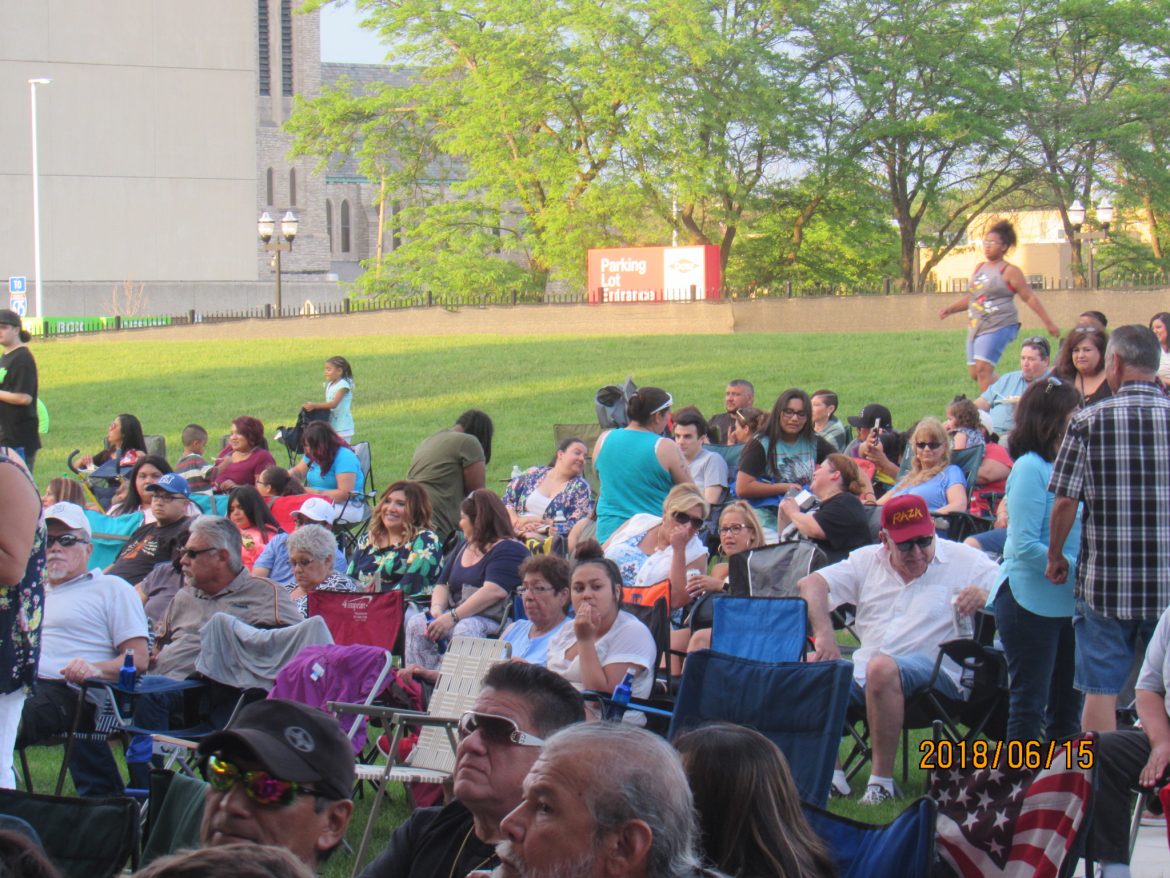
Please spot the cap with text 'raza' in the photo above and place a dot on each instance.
(907, 517)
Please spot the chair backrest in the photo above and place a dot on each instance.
(461, 674)
(110, 533)
(904, 848)
(969, 460)
(156, 445)
(765, 629)
(373, 619)
(773, 571)
(588, 434)
(362, 450)
(211, 504)
(174, 814)
(656, 617)
(799, 706)
(109, 839)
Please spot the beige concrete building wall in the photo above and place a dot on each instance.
(146, 141)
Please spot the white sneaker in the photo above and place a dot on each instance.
(875, 794)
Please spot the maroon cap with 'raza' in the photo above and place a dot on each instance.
(907, 517)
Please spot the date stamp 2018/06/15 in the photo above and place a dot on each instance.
(946, 755)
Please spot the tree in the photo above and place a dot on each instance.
(920, 79)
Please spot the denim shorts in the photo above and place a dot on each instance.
(1106, 648)
(990, 346)
(915, 671)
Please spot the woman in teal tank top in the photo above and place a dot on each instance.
(637, 465)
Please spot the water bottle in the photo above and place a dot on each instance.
(128, 680)
(516, 471)
(560, 523)
(621, 697)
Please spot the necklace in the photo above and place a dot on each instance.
(459, 856)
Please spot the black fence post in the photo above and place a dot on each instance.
(345, 305)
(117, 321)
(430, 299)
(886, 286)
(268, 310)
(788, 288)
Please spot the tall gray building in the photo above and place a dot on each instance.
(159, 145)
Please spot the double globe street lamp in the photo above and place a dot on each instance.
(266, 227)
(1104, 216)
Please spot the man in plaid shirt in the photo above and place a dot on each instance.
(1116, 460)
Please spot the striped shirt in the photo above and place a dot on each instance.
(1115, 459)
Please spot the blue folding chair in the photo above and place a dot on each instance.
(903, 848)
(764, 629)
(799, 706)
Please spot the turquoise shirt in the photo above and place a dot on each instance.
(345, 462)
(1025, 555)
(632, 479)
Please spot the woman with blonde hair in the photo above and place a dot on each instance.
(650, 549)
(932, 476)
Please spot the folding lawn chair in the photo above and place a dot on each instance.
(764, 629)
(85, 838)
(773, 571)
(174, 813)
(904, 848)
(799, 706)
(371, 618)
(432, 760)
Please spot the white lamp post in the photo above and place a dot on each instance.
(266, 227)
(32, 90)
(1104, 216)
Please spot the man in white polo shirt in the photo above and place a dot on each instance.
(903, 589)
(91, 620)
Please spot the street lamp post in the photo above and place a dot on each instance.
(1076, 216)
(266, 226)
(36, 182)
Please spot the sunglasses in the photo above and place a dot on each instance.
(1036, 342)
(260, 786)
(534, 589)
(195, 553)
(496, 730)
(683, 518)
(908, 546)
(933, 446)
(65, 541)
(732, 528)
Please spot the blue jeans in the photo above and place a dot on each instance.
(1041, 659)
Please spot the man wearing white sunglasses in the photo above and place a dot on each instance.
(499, 740)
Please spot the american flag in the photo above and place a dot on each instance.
(1009, 822)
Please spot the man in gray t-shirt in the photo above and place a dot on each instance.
(707, 468)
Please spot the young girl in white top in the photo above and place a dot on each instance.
(338, 396)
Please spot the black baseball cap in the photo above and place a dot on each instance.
(10, 318)
(873, 412)
(291, 741)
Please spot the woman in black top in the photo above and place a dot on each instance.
(18, 390)
(840, 523)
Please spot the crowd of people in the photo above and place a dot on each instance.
(1065, 465)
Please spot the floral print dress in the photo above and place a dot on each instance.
(21, 613)
(412, 568)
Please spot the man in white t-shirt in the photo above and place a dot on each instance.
(707, 468)
(91, 620)
(903, 591)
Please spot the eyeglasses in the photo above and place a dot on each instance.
(731, 529)
(65, 541)
(195, 553)
(794, 413)
(683, 518)
(497, 730)
(260, 786)
(303, 562)
(908, 546)
(669, 402)
(534, 589)
(159, 495)
(932, 445)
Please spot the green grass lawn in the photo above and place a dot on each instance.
(408, 388)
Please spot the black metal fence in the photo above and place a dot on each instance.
(68, 326)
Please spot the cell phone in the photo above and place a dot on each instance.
(877, 425)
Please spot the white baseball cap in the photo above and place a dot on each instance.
(318, 509)
(69, 514)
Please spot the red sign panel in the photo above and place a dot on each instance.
(654, 274)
